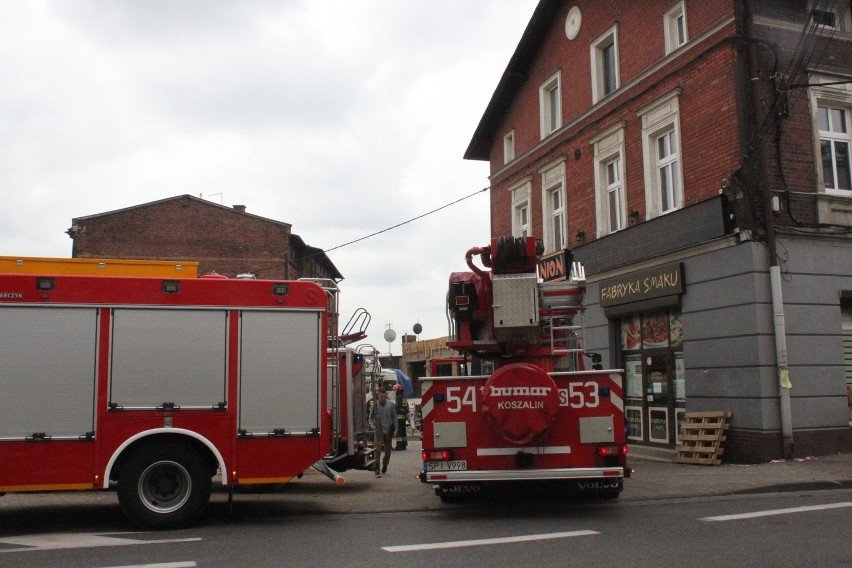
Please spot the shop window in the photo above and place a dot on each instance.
(654, 375)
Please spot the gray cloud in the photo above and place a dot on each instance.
(341, 118)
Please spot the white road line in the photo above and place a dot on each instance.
(771, 512)
(190, 564)
(59, 541)
(485, 541)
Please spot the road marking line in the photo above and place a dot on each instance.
(59, 541)
(190, 564)
(756, 514)
(485, 541)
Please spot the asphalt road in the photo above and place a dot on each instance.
(398, 521)
(782, 529)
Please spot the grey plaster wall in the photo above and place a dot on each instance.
(729, 337)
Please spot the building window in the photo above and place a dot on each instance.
(662, 155)
(668, 172)
(550, 102)
(675, 27)
(611, 203)
(557, 216)
(835, 141)
(830, 16)
(615, 194)
(553, 205)
(521, 221)
(604, 56)
(509, 147)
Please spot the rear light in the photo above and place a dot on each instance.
(612, 450)
(432, 455)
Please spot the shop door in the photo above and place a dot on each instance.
(658, 386)
(655, 394)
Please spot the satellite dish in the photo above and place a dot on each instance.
(390, 335)
(418, 328)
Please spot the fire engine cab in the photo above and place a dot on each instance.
(540, 416)
(156, 385)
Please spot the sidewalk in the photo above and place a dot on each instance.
(651, 479)
(664, 479)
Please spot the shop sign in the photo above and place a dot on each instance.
(553, 267)
(656, 282)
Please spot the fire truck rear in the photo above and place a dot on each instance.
(154, 386)
(540, 417)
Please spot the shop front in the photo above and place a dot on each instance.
(644, 308)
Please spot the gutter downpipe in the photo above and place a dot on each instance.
(775, 282)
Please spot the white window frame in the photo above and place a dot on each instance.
(609, 146)
(842, 17)
(550, 103)
(553, 180)
(609, 37)
(831, 96)
(509, 146)
(676, 30)
(521, 193)
(660, 118)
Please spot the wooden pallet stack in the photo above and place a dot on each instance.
(702, 437)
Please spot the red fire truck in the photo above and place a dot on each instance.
(540, 416)
(154, 386)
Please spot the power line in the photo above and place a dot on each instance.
(324, 251)
(410, 220)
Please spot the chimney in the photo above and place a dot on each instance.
(240, 208)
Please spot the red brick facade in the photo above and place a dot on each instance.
(707, 103)
(733, 128)
(223, 240)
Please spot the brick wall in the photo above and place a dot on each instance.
(221, 239)
(749, 446)
(708, 110)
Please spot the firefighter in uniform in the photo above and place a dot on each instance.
(401, 419)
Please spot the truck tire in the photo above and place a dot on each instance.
(164, 486)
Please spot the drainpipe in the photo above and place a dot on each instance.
(784, 384)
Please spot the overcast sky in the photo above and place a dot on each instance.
(340, 117)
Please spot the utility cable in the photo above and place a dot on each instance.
(324, 251)
(409, 221)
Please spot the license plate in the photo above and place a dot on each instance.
(452, 465)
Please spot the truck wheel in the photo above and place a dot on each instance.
(164, 486)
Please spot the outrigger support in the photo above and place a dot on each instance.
(323, 468)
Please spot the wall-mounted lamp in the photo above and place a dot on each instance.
(634, 217)
(581, 236)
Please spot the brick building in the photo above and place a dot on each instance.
(225, 240)
(694, 156)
